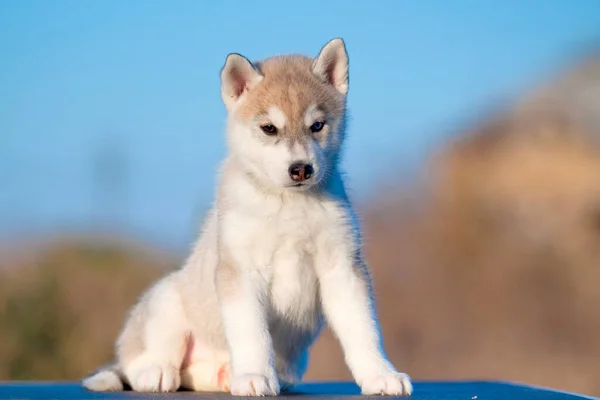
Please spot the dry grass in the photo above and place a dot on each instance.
(62, 308)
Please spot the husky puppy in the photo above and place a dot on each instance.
(279, 254)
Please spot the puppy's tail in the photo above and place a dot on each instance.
(106, 379)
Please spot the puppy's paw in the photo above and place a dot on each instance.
(103, 381)
(254, 385)
(395, 384)
(156, 378)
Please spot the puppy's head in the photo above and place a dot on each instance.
(286, 115)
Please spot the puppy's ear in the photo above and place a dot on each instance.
(331, 65)
(237, 77)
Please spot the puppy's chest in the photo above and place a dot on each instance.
(293, 284)
(286, 244)
(293, 280)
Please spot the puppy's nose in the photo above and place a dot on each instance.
(300, 172)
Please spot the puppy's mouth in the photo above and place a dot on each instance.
(299, 185)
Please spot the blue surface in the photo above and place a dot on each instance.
(423, 391)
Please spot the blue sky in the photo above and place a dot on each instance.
(144, 76)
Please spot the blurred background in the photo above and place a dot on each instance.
(473, 158)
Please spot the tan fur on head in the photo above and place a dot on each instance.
(292, 82)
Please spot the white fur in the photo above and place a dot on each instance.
(270, 266)
(312, 115)
(269, 163)
(104, 381)
(277, 117)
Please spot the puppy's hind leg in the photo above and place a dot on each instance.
(164, 335)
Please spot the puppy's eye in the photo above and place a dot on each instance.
(269, 129)
(317, 126)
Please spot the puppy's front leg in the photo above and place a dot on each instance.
(349, 307)
(243, 293)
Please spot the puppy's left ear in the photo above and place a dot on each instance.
(331, 65)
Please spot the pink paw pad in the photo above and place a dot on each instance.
(223, 377)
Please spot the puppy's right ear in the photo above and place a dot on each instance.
(237, 77)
